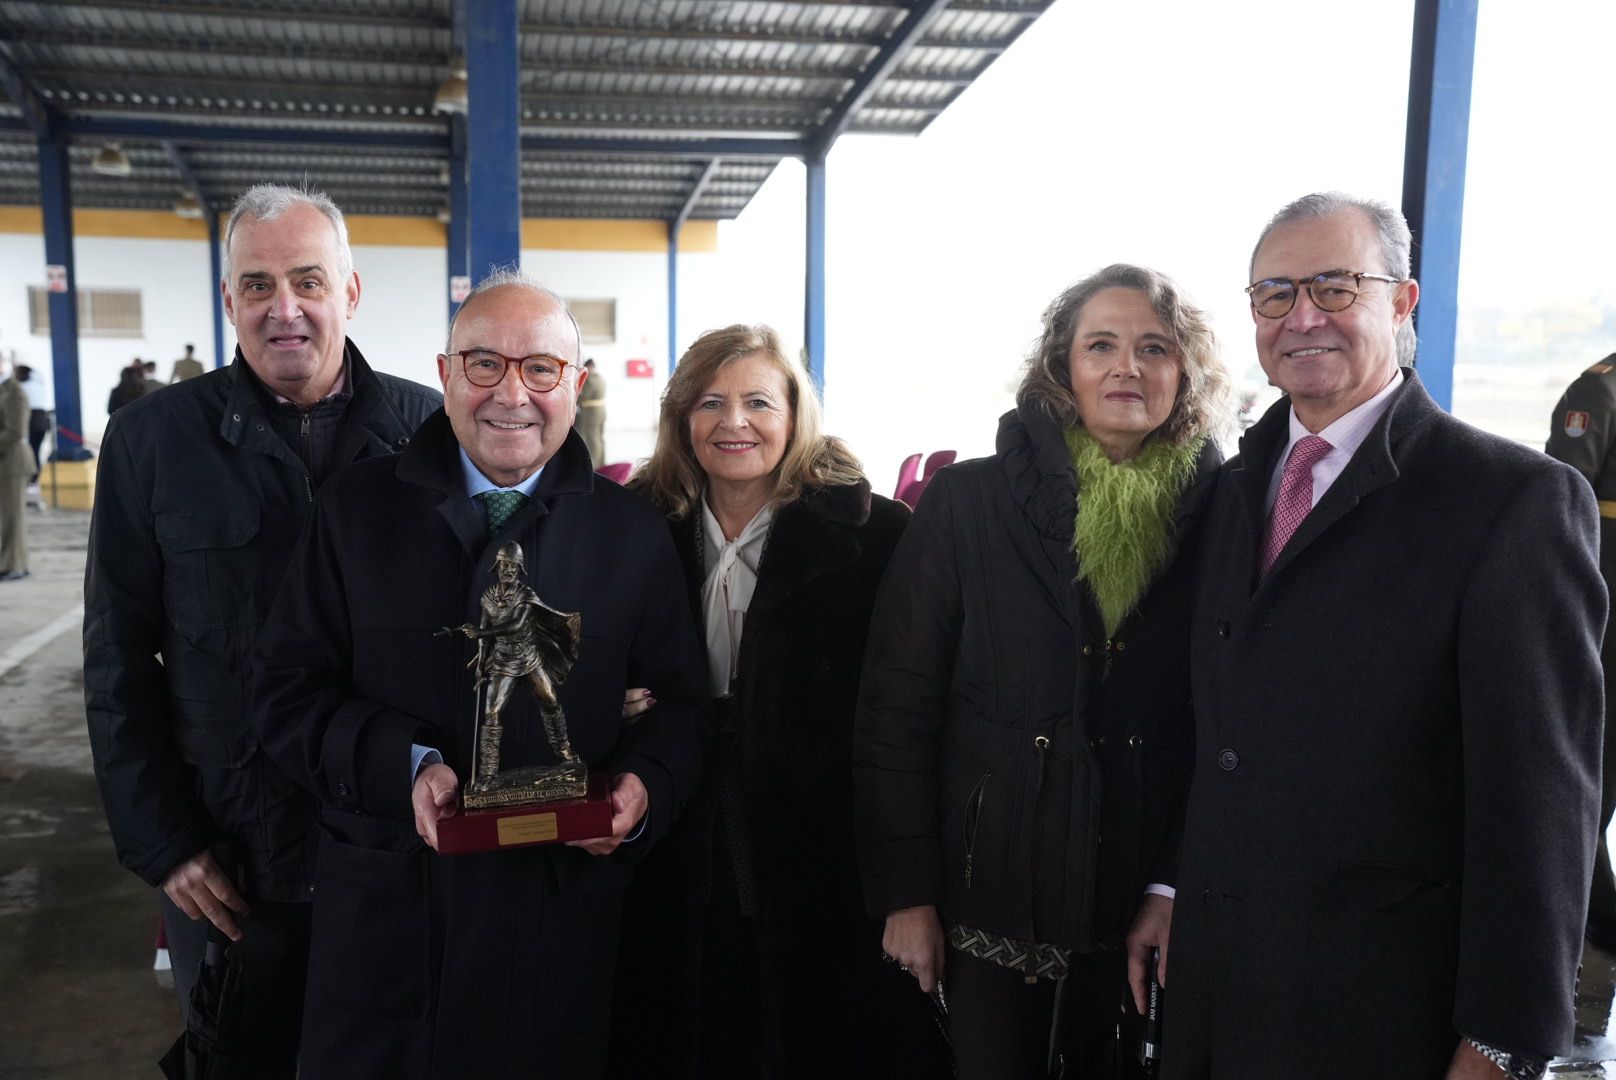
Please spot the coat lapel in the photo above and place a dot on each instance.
(1372, 467)
(811, 536)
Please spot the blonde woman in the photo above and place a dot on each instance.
(747, 951)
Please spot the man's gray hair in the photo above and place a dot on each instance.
(505, 277)
(1391, 229)
(266, 202)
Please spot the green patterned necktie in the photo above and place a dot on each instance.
(499, 506)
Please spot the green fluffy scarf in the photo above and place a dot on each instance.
(1124, 533)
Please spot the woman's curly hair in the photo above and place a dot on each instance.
(1202, 406)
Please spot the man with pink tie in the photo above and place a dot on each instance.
(1398, 706)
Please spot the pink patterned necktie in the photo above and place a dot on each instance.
(1295, 497)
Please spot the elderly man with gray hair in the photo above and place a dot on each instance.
(432, 966)
(203, 490)
(1398, 704)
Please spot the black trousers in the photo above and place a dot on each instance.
(1001, 1024)
(274, 948)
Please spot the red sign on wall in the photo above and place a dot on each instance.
(640, 369)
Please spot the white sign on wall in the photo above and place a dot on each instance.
(459, 289)
(55, 277)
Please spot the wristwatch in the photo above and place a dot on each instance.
(1515, 1066)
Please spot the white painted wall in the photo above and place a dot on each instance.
(401, 323)
(171, 276)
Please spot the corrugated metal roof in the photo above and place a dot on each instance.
(233, 89)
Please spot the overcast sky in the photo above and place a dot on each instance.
(1163, 132)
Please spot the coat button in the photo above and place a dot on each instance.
(1088, 650)
(1228, 760)
(1206, 897)
(1122, 646)
(1223, 630)
(342, 789)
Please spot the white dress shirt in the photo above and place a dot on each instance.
(1345, 434)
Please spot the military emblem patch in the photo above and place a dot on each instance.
(1576, 424)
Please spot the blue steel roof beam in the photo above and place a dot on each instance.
(134, 127)
(694, 197)
(40, 117)
(695, 31)
(242, 20)
(556, 66)
(909, 32)
(1030, 10)
(150, 41)
(704, 148)
(435, 141)
(187, 174)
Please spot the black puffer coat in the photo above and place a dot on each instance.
(1001, 737)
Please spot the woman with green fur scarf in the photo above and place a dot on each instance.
(1024, 736)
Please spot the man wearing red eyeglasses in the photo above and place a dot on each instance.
(496, 963)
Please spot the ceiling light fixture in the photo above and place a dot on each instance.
(110, 160)
(452, 95)
(188, 206)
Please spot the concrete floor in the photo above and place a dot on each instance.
(77, 997)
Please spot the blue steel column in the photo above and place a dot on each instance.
(215, 260)
(56, 201)
(458, 205)
(1440, 69)
(494, 145)
(814, 286)
(673, 295)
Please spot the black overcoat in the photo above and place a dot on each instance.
(425, 965)
(835, 1009)
(1397, 761)
(1000, 733)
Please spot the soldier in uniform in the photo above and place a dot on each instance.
(187, 366)
(1582, 434)
(591, 421)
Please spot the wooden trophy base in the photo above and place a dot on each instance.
(523, 826)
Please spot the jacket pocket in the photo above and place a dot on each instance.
(210, 572)
(1387, 886)
(370, 948)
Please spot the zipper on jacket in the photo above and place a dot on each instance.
(973, 822)
(308, 456)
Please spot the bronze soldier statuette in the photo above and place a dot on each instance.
(521, 640)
